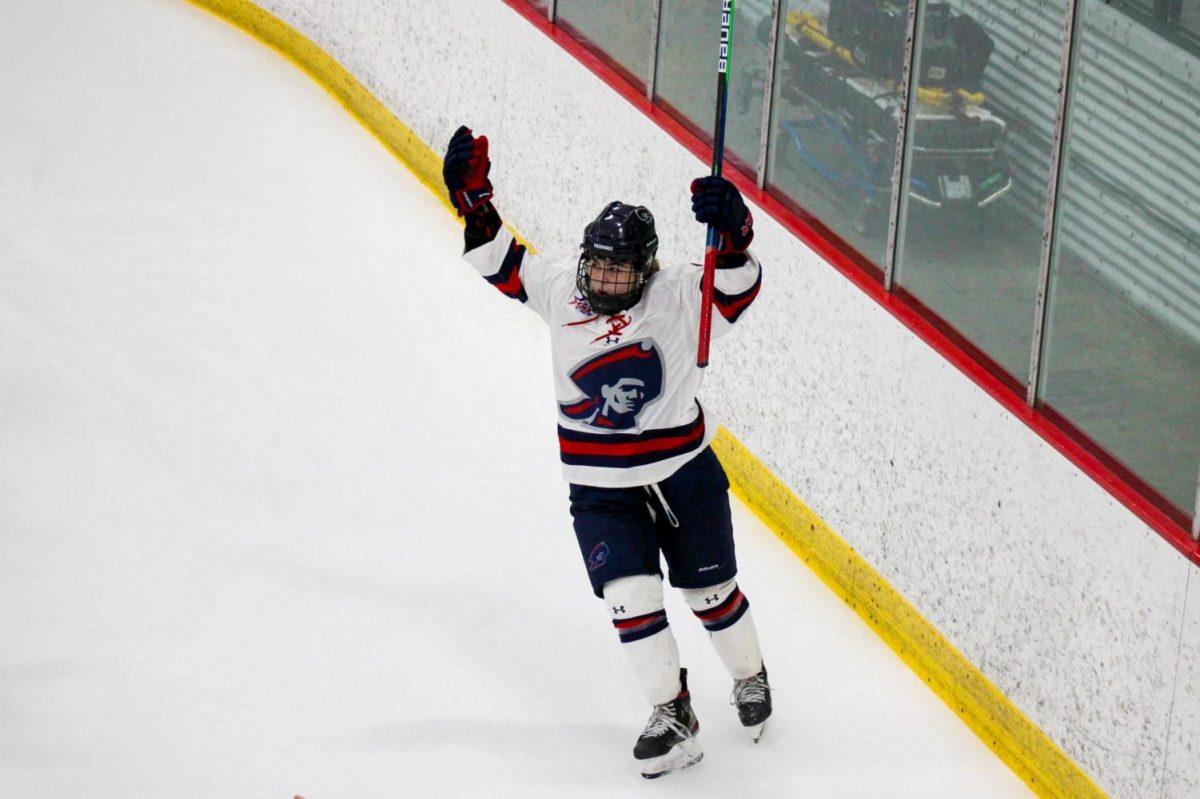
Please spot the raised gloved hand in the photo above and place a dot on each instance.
(465, 171)
(717, 202)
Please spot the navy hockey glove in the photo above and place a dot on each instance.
(465, 172)
(717, 202)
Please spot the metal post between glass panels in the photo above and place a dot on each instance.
(768, 87)
(552, 11)
(1196, 513)
(655, 19)
(908, 91)
(1049, 226)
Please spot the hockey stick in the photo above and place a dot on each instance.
(725, 55)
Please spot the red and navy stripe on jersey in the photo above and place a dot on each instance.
(731, 306)
(640, 627)
(725, 614)
(508, 279)
(623, 450)
(481, 228)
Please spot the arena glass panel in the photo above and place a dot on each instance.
(978, 160)
(835, 117)
(616, 30)
(1183, 19)
(1178, 20)
(1189, 16)
(686, 74)
(1121, 359)
(540, 5)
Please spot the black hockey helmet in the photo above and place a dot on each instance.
(620, 234)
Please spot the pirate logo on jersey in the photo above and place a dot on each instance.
(616, 385)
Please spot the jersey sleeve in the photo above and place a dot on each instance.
(736, 282)
(508, 266)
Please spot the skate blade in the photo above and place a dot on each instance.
(757, 731)
(683, 754)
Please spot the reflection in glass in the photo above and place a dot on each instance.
(836, 113)
(540, 5)
(1122, 352)
(1187, 17)
(970, 245)
(1178, 20)
(617, 30)
(686, 75)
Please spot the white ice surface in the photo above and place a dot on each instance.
(280, 510)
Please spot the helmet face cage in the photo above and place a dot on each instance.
(617, 257)
(609, 285)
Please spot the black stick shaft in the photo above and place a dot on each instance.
(724, 59)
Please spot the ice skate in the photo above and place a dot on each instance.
(669, 741)
(752, 696)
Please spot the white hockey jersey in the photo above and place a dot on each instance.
(626, 384)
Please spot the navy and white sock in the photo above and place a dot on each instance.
(636, 606)
(725, 612)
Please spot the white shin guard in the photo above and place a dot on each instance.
(725, 613)
(636, 606)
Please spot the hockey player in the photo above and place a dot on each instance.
(633, 439)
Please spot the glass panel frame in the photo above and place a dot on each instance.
(900, 166)
(655, 38)
(1196, 511)
(768, 89)
(1050, 227)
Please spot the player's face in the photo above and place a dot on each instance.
(611, 278)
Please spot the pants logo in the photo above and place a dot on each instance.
(598, 556)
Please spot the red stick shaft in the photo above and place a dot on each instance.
(706, 300)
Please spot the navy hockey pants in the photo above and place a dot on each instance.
(622, 530)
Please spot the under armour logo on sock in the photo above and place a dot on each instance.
(619, 609)
(708, 600)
